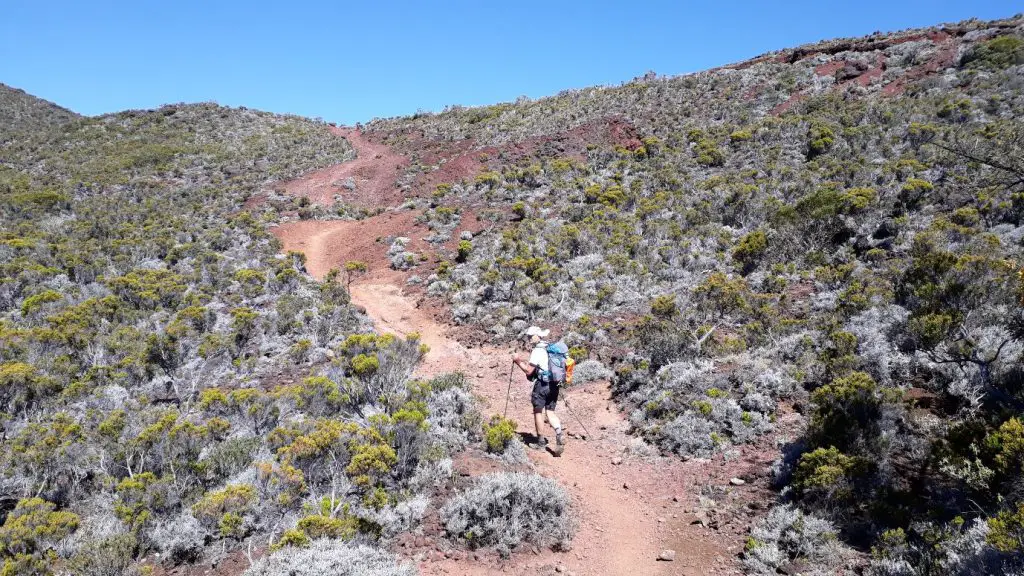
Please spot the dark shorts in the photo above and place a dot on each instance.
(544, 395)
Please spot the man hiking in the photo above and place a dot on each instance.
(545, 388)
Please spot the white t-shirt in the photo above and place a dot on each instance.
(539, 355)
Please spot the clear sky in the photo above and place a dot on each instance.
(353, 61)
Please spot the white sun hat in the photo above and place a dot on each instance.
(536, 331)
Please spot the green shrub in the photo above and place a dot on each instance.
(233, 498)
(613, 196)
(498, 434)
(1006, 530)
(664, 306)
(292, 537)
(29, 533)
(750, 249)
(967, 217)
(822, 469)
(490, 179)
(33, 303)
(365, 365)
(914, 191)
(465, 249)
(44, 199)
(708, 153)
(725, 295)
(820, 139)
(1007, 443)
(317, 526)
(846, 411)
(996, 54)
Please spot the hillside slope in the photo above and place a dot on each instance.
(833, 230)
(22, 112)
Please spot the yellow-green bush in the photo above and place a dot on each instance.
(498, 433)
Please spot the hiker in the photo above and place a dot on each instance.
(545, 390)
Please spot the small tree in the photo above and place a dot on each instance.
(353, 270)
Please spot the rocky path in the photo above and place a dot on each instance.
(367, 181)
(630, 504)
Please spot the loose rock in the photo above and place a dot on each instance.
(667, 555)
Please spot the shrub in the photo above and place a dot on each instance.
(914, 191)
(724, 295)
(787, 534)
(590, 371)
(465, 249)
(317, 526)
(1006, 530)
(181, 539)
(106, 557)
(33, 303)
(847, 412)
(233, 499)
(354, 269)
(29, 532)
(688, 435)
(708, 153)
(664, 306)
(506, 509)
(489, 179)
(613, 195)
(498, 433)
(337, 558)
(826, 470)
(454, 418)
(365, 365)
(820, 139)
(1007, 443)
(996, 54)
(750, 249)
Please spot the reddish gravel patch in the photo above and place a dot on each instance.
(940, 61)
(873, 73)
(792, 101)
(829, 68)
(330, 243)
(463, 160)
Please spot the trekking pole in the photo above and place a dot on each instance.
(569, 408)
(511, 371)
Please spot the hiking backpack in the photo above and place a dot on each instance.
(560, 365)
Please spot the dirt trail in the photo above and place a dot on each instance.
(619, 532)
(368, 181)
(628, 510)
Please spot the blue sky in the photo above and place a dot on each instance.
(353, 61)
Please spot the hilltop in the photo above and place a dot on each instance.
(22, 112)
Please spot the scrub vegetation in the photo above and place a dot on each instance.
(831, 235)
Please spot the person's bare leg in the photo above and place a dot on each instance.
(557, 425)
(538, 421)
(553, 420)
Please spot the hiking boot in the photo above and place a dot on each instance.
(559, 445)
(539, 444)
